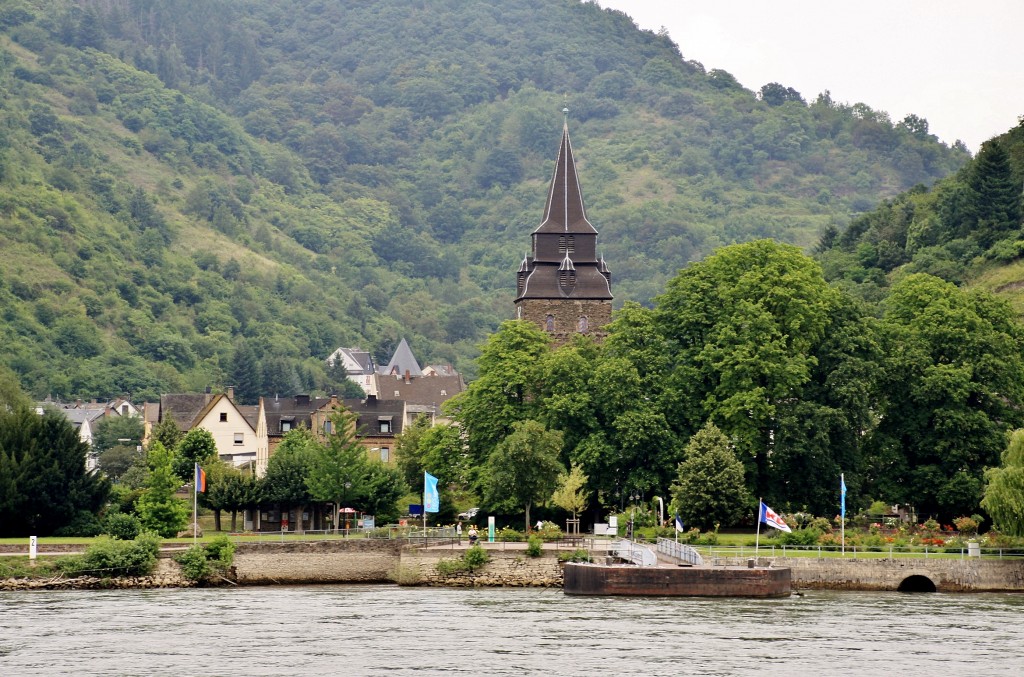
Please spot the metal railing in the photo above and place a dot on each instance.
(680, 551)
(718, 553)
(638, 554)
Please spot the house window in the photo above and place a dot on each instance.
(223, 417)
(328, 427)
(444, 393)
(385, 425)
(286, 426)
(385, 454)
(239, 438)
(124, 409)
(396, 393)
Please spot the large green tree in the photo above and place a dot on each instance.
(743, 327)
(159, 509)
(523, 469)
(289, 467)
(710, 489)
(340, 471)
(996, 195)
(953, 378)
(44, 485)
(505, 391)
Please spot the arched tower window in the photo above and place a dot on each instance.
(582, 324)
(549, 323)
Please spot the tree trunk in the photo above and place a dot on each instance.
(337, 517)
(527, 517)
(300, 528)
(234, 521)
(216, 519)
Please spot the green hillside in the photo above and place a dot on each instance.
(202, 194)
(965, 229)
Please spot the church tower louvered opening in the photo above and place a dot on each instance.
(562, 286)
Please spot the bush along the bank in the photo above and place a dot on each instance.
(110, 558)
(472, 559)
(577, 555)
(207, 561)
(534, 545)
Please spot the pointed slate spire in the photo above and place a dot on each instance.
(564, 210)
(403, 362)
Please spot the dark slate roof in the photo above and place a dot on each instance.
(422, 391)
(299, 409)
(564, 262)
(542, 283)
(369, 412)
(183, 407)
(403, 361)
(360, 357)
(564, 212)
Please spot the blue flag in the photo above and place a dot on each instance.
(679, 523)
(842, 496)
(431, 501)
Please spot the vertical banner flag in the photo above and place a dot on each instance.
(431, 501)
(842, 496)
(200, 480)
(679, 523)
(773, 519)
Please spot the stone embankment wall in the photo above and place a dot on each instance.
(505, 569)
(362, 561)
(948, 575)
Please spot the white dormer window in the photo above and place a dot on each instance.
(286, 426)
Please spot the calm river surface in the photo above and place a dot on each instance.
(370, 630)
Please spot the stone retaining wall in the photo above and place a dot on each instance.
(505, 569)
(358, 561)
(948, 575)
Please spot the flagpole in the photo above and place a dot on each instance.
(195, 503)
(842, 516)
(757, 539)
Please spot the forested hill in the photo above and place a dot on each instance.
(222, 192)
(965, 229)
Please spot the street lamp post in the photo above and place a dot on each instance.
(633, 498)
(348, 485)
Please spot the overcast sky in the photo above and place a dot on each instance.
(957, 63)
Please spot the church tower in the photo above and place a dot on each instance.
(562, 286)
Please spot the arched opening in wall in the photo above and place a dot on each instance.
(916, 584)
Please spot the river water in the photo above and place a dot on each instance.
(379, 629)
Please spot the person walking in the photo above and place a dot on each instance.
(458, 531)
